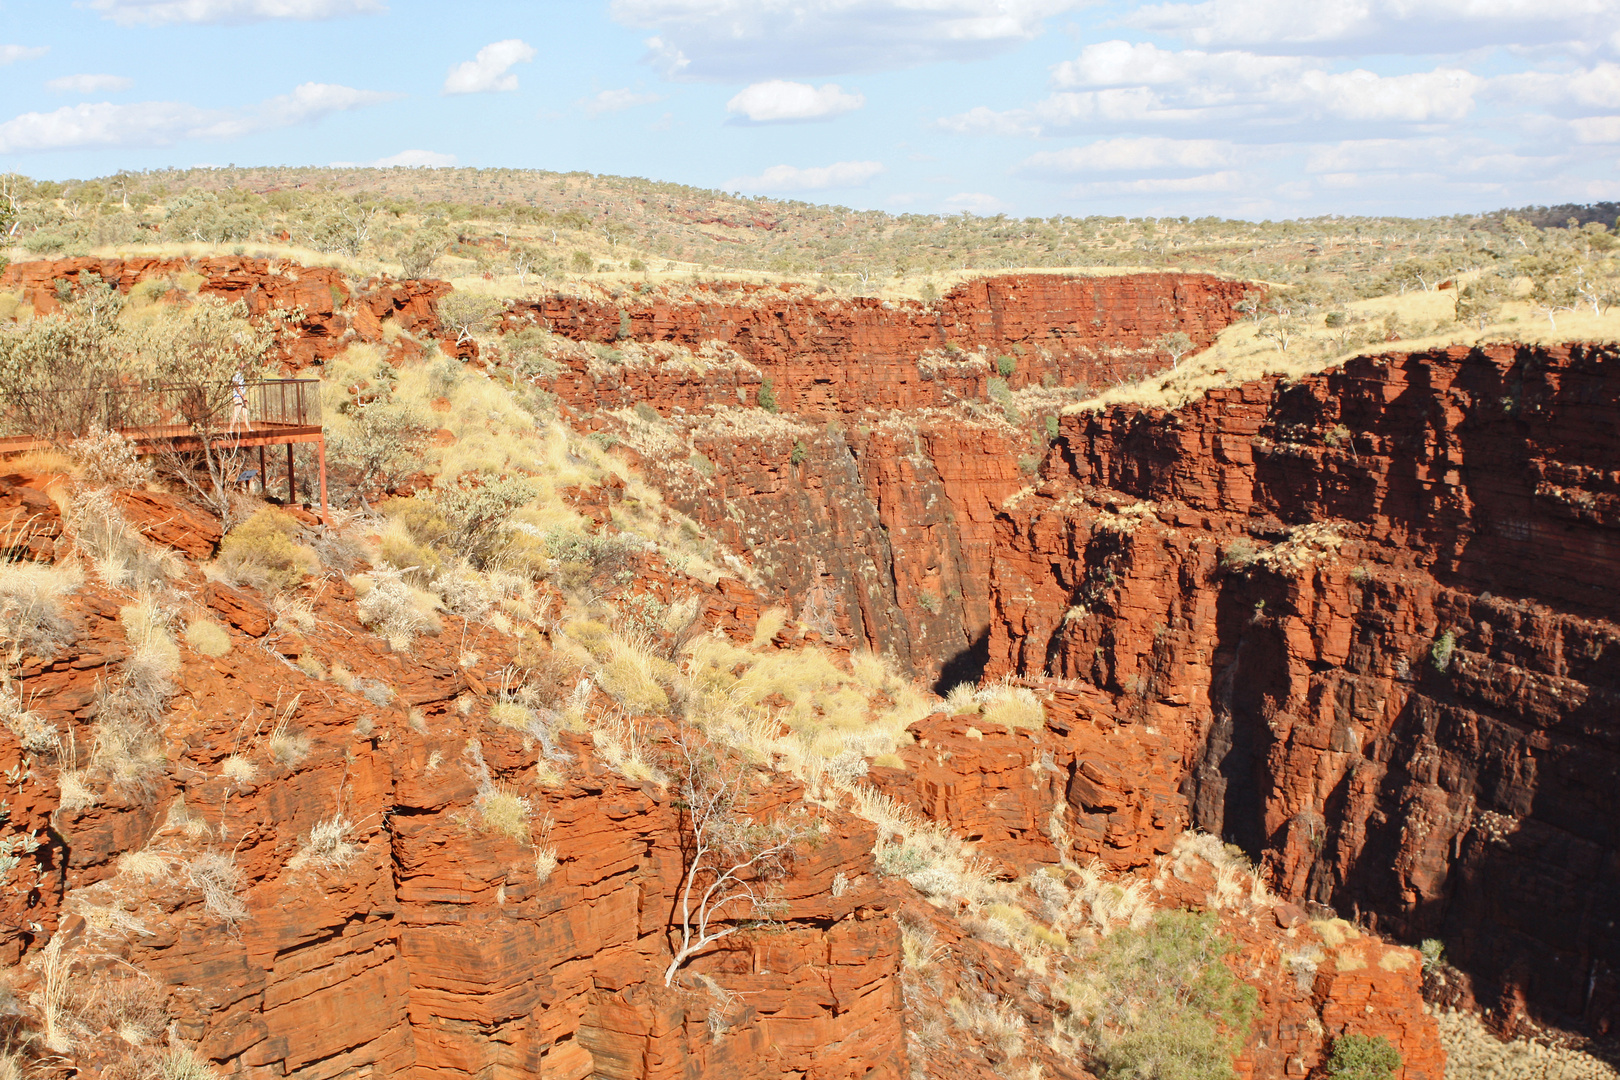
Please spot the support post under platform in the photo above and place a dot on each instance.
(320, 451)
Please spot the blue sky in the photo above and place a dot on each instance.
(1250, 108)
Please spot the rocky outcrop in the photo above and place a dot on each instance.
(1378, 607)
(335, 311)
(833, 356)
(415, 940)
(866, 504)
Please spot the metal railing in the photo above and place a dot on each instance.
(62, 415)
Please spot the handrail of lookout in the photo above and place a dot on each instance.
(189, 417)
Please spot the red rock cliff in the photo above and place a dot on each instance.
(832, 356)
(876, 526)
(335, 310)
(1379, 608)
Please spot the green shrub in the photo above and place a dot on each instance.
(1005, 366)
(1434, 953)
(1362, 1057)
(1168, 1006)
(477, 514)
(1051, 427)
(591, 565)
(1240, 554)
(260, 552)
(800, 452)
(1440, 652)
(767, 396)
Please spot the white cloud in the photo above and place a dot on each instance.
(10, 54)
(1076, 112)
(1194, 88)
(1597, 129)
(1131, 155)
(842, 174)
(169, 12)
(729, 39)
(779, 101)
(416, 159)
(975, 202)
(1456, 156)
(1396, 26)
(1227, 180)
(90, 84)
(488, 70)
(1597, 87)
(617, 101)
(1422, 97)
(159, 123)
(1125, 63)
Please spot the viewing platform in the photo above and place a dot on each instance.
(217, 418)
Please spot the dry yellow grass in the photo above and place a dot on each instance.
(208, 637)
(1425, 320)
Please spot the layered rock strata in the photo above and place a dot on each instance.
(1374, 612)
(334, 311)
(865, 501)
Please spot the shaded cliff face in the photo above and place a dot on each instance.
(865, 501)
(1376, 612)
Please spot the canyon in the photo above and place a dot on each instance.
(1361, 626)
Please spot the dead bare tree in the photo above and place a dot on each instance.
(729, 857)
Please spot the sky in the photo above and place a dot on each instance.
(1239, 108)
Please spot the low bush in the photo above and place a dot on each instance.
(32, 730)
(217, 878)
(120, 555)
(1160, 1001)
(394, 610)
(181, 1062)
(1240, 554)
(260, 552)
(635, 677)
(1362, 1057)
(1012, 706)
(1440, 652)
(325, 845)
(108, 459)
(31, 621)
(590, 566)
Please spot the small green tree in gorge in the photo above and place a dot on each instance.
(1362, 1057)
(52, 368)
(1160, 1002)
